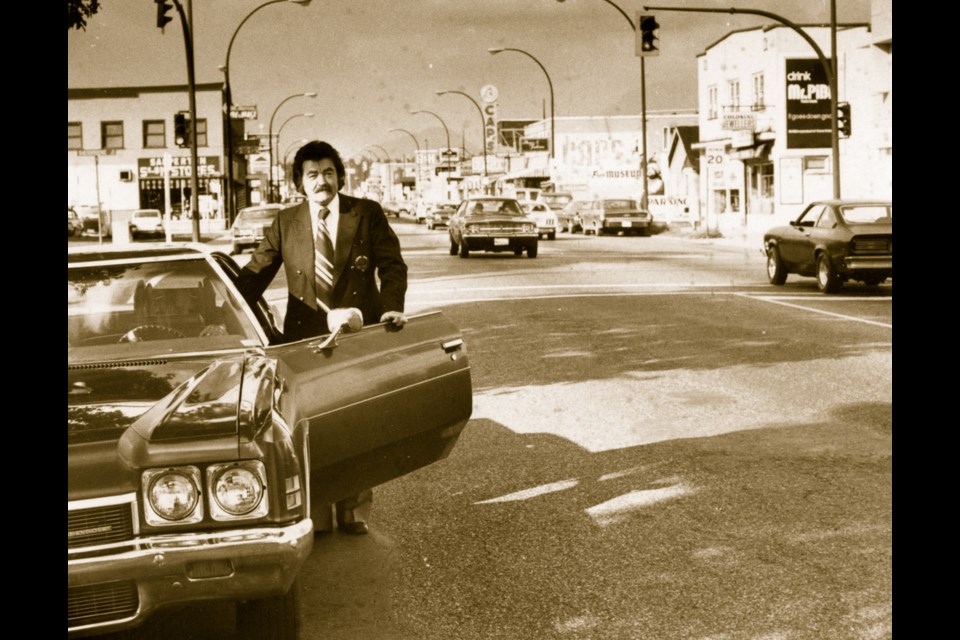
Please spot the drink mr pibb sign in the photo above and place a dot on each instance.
(808, 104)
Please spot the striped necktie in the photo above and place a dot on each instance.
(323, 260)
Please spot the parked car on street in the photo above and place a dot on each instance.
(397, 207)
(74, 223)
(92, 218)
(250, 225)
(421, 210)
(546, 219)
(556, 200)
(200, 444)
(568, 218)
(834, 241)
(615, 215)
(486, 223)
(146, 222)
(440, 213)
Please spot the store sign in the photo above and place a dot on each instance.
(809, 108)
(490, 127)
(534, 144)
(243, 113)
(739, 121)
(180, 167)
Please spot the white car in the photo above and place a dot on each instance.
(146, 222)
(545, 217)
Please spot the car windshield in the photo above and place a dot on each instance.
(494, 207)
(867, 213)
(445, 208)
(620, 204)
(556, 199)
(113, 309)
(250, 215)
(148, 214)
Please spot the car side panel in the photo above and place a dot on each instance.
(381, 403)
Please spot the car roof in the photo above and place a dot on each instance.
(845, 201)
(78, 254)
(267, 205)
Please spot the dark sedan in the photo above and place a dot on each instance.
(492, 224)
(834, 241)
(615, 215)
(200, 442)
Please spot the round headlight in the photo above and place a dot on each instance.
(238, 491)
(173, 495)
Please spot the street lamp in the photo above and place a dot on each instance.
(413, 113)
(416, 158)
(495, 50)
(483, 128)
(830, 66)
(309, 94)
(279, 131)
(644, 203)
(228, 107)
(286, 153)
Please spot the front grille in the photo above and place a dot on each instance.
(100, 524)
(498, 229)
(873, 245)
(99, 603)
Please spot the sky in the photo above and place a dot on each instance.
(372, 62)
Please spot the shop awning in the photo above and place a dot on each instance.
(530, 172)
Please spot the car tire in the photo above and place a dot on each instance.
(463, 250)
(552, 235)
(532, 251)
(453, 247)
(827, 279)
(430, 226)
(277, 617)
(776, 272)
(518, 251)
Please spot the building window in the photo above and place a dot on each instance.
(111, 135)
(815, 164)
(712, 103)
(201, 132)
(758, 97)
(74, 135)
(154, 134)
(734, 86)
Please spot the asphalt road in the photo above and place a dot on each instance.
(662, 446)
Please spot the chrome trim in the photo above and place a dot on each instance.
(452, 345)
(106, 501)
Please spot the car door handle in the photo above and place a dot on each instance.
(452, 345)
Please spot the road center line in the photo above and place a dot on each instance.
(813, 310)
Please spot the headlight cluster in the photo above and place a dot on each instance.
(528, 228)
(234, 491)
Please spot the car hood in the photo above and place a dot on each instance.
(144, 404)
(496, 219)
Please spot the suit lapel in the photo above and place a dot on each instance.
(302, 252)
(347, 230)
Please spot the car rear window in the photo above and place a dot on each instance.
(620, 204)
(867, 214)
(148, 214)
(257, 214)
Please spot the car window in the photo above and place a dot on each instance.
(619, 204)
(113, 308)
(810, 215)
(492, 207)
(148, 214)
(249, 215)
(826, 220)
(867, 214)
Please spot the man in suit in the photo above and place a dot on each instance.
(333, 247)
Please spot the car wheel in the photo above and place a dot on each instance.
(532, 251)
(430, 226)
(277, 617)
(518, 251)
(453, 247)
(776, 272)
(827, 279)
(552, 235)
(464, 251)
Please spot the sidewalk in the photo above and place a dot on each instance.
(748, 237)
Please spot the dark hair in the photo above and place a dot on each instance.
(317, 150)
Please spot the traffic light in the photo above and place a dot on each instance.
(180, 130)
(162, 8)
(649, 44)
(843, 119)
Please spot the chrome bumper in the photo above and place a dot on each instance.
(229, 564)
(872, 263)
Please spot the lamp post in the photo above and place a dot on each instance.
(286, 153)
(279, 131)
(830, 66)
(446, 130)
(416, 158)
(228, 107)
(309, 94)
(495, 50)
(389, 164)
(483, 126)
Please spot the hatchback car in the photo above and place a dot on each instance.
(251, 223)
(146, 222)
(492, 224)
(835, 241)
(546, 219)
(200, 443)
(440, 214)
(615, 215)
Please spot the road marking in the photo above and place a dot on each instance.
(842, 316)
(533, 492)
(617, 509)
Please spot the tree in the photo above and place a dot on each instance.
(78, 11)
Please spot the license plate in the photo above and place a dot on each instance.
(626, 223)
(501, 242)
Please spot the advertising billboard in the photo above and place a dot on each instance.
(808, 104)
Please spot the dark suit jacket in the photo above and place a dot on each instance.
(366, 248)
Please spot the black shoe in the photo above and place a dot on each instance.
(355, 528)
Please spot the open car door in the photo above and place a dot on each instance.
(376, 404)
